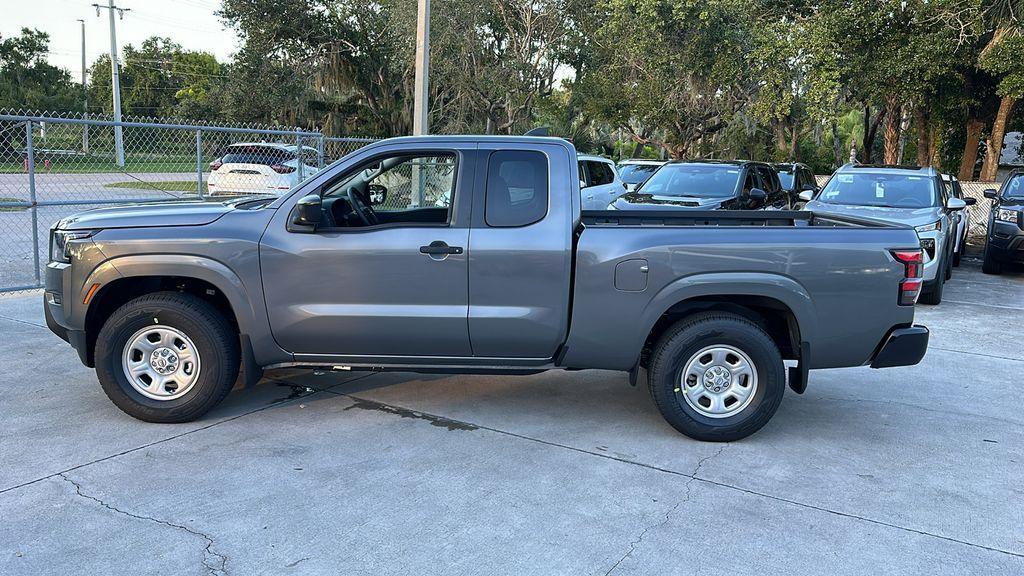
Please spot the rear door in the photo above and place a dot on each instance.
(520, 249)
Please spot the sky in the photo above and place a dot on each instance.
(191, 23)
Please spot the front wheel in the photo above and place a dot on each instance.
(167, 357)
(717, 377)
(989, 264)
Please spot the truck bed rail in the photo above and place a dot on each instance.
(763, 218)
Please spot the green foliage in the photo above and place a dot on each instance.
(1005, 59)
(28, 81)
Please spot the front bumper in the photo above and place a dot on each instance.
(902, 347)
(56, 309)
(1006, 241)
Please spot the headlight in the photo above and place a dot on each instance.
(59, 243)
(933, 227)
(1007, 215)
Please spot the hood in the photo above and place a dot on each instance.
(192, 213)
(904, 216)
(637, 200)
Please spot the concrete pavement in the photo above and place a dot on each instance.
(901, 471)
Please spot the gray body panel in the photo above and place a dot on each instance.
(840, 284)
(549, 294)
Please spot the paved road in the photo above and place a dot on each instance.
(904, 471)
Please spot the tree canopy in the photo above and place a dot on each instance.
(931, 81)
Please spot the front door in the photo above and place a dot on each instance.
(386, 273)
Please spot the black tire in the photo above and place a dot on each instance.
(213, 336)
(956, 257)
(949, 267)
(989, 265)
(932, 293)
(686, 339)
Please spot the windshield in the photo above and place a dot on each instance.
(636, 173)
(1014, 189)
(696, 180)
(881, 189)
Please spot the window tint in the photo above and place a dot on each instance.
(600, 173)
(767, 179)
(517, 188)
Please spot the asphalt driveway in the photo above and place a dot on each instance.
(911, 470)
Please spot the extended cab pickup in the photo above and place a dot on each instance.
(471, 254)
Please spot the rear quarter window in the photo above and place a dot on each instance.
(517, 188)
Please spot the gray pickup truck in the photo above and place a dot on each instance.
(471, 255)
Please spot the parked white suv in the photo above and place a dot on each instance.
(963, 217)
(261, 168)
(600, 184)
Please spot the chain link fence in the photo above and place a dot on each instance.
(52, 166)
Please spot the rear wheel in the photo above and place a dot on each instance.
(167, 357)
(717, 377)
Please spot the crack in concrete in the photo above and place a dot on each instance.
(25, 322)
(720, 484)
(921, 408)
(669, 512)
(218, 567)
(162, 440)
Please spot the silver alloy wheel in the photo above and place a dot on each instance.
(161, 362)
(718, 381)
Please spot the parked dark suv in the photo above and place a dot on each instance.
(1005, 239)
(796, 178)
(708, 185)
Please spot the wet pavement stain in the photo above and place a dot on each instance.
(296, 392)
(438, 421)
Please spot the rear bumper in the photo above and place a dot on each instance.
(902, 347)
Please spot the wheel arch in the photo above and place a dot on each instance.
(123, 279)
(780, 305)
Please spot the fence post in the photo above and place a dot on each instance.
(199, 162)
(320, 152)
(31, 159)
(298, 155)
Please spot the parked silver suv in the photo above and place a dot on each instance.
(904, 195)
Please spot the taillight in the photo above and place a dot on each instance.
(282, 169)
(913, 270)
(215, 165)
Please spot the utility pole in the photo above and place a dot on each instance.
(422, 85)
(115, 79)
(85, 97)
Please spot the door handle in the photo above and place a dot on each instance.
(440, 248)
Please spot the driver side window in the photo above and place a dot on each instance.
(406, 189)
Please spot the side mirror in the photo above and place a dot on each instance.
(991, 194)
(757, 195)
(955, 204)
(309, 210)
(970, 201)
(806, 195)
(378, 194)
